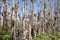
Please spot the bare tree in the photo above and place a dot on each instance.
(4, 16)
(14, 17)
(0, 14)
(44, 11)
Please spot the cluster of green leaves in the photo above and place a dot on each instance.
(48, 36)
(4, 36)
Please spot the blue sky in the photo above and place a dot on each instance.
(35, 6)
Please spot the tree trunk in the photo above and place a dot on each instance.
(30, 37)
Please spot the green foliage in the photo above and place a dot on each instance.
(3, 32)
(1, 37)
(7, 37)
(48, 36)
(4, 35)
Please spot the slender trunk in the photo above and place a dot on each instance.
(35, 33)
(30, 37)
(23, 21)
(44, 11)
(4, 17)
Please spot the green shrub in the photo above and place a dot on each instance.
(1, 37)
(3, 32)
(48, 36)
(7, 37)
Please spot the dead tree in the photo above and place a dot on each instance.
(4, 16)
(31, 18)
(23, 21)
(44, 11)
(58, 11)
(48, 16)
(14, 18)
(55, 17)
(8, 17)
(55, 21)
(0, 14)
(39, 16)
(0, 20)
